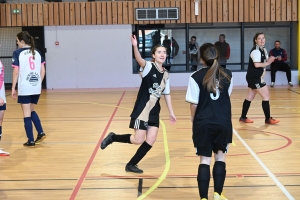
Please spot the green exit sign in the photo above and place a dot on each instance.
(16, 11)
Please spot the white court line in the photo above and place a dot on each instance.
(289, 196)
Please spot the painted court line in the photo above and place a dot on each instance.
(272, 176)
(87, 167)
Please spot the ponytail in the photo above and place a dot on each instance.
(32, 48)
(210, 78)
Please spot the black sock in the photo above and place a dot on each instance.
(246, 106)
(203, 179)
(122, 138)
(219, 174)
(140, 153)
(0, 132)
(266, 109)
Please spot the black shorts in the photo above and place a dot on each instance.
(29, 99)
(211, 138)
(3, 107)
(142, 125)
(255, 83)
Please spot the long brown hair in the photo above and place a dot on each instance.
(215, 75)
(154, 50)
(28, 39)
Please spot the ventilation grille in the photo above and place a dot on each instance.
(157, 13)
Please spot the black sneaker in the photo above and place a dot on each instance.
(29, 144)
(134, 169)
(107, 141)
(40, 138)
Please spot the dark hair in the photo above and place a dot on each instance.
(193, 37)
(209, 55)
(255, 37)
(277, 41)
(154, 50)
(222, 35)
(29, 40)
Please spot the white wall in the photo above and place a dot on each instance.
(89, 57)
(101, 57)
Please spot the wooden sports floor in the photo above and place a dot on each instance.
(263, 163)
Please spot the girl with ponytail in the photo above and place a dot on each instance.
(29, 71)
(208, 93)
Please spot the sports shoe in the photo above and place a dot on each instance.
(271, 121)
(3, 153)
(40, 138)
(246, 120)
(219, 197)
(29, 144)
(272, 84)
(107, 141)
(134, 169)
(291, 84)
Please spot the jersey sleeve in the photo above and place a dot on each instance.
(144, 71)
(193, 92)
(230, 86)
(167, 88)
(15, 60)
(255, 55)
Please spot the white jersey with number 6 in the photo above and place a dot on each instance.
(29, 80)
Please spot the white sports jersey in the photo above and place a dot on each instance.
(29, 81)
(2, 87)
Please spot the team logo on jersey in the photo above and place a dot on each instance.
(13, 60)
(156, 91)
(33, 78)
(154, 75)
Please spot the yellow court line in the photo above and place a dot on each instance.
(167, 167)
(233, 143)
(166, 147)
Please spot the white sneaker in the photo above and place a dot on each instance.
(291, 84)
(272, 84)
(3, 153)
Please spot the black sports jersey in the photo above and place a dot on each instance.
(154, 84)
(256, 55)
(212, 108)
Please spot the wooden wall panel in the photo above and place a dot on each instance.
(123, 12)
(99, 13)
(72, 17)
(294, 10)
(40, 15)
(289, 10)
(13, 16)
(283, 10)
(114, 11)
(55, 14)
(267, 10)
(88, 13)
(273, 10)
(261, 10)
(61, 11)
(246, 10)
(29, 14)
(209, 11)
(67, 13)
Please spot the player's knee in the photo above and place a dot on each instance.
(151, 140)
(138, 140)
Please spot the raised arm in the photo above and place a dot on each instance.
(137, 54)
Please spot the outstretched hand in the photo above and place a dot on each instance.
(133, 40)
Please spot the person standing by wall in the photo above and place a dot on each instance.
(224, 50)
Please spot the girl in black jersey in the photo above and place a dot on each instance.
(208, 93)
(258, 61)
(145, 114)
